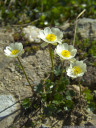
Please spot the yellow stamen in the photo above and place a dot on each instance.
(77, 70)
(14, 52)
(51, 37)
(65, 53)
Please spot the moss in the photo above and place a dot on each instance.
(85, 54)
(35, 48)
(26, 42)
(92, 51)
(28, 50)
(94, 63)
(55, 12)
(16, 36)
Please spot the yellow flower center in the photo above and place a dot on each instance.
(65, 53)
(77, 70)
(14, 52)
(51, 37)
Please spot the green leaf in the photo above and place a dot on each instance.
(58, 70)
(69, 93)
(91, 106)
(62, 84)
(87, 94)
(58, 97)
(19, 66)
(65, 108)
(68, 97)
(55, 102)
(69, 103)
(38, 88)
(26, 103)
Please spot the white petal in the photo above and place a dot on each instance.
(18, 46)
(70, 47)
(12, 45)
(81, 74)
(57, 32)
(7, 52)
(60, 36)
(65, 46)
(84, 67)
(9, 48)
(77, 63)
(59, 48)
(59, 41)
(47, 31)
(41, 34)
(70, 73)
(73, 52)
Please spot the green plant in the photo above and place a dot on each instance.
(26, 103)
(44, 12)
(89, 98)
(57, 97)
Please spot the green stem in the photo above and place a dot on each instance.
(80, 91)
(51, 57)
(24, 73)
(54, 89)
(62, 70)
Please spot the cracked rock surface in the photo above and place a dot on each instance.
(12, 79)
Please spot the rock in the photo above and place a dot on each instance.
(76, 88)
(37, 66)
(91, 120)
(68, 30)
(90, 77)
(5, 36)
(8, 106)
(86, 29)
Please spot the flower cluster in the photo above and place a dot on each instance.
(65, 51)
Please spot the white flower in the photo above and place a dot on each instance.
(65, 51)
(14, 50)
(31, 33)
(51, 36)
(76, 69)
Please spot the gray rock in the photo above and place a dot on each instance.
(91, 121)
(90, 77)
(9, 108)
(86, 29)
